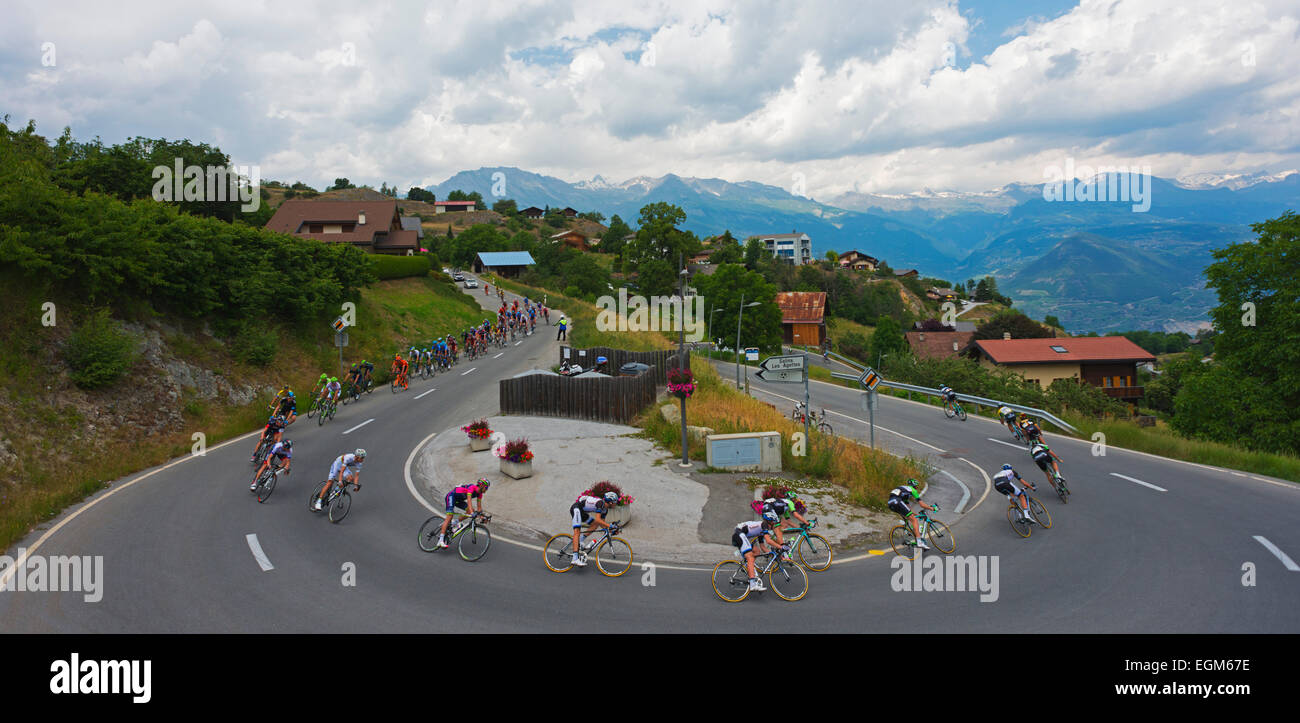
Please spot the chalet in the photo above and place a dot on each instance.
(940, 294)
(803, 317)
(572, 237)
(1107, 362)
(533, 212)
(373, 226)
(505, 263)
(938, 344)
(906, 274)
(858, 261)
(569, 212)
(445, 206)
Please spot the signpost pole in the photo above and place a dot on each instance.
(807, 411)
(871, 415)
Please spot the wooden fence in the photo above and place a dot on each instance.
(600, 399)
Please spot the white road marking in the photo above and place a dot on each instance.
(431, 391)
(464, 373)
(1290, 564)
(1017, 446)
(499, 355)
(519, 342)
(258, 554)
(988, 483)
(359, 426)
(863, 421)
(965, 491)
(1138, 481)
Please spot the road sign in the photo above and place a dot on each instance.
(339, 324)
(341, 339)
(789, 369)
(783, 363)
(751, 354)
(792, 376)
(869, 379)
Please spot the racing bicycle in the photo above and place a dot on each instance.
(904, 542)
(1019, 522)
(813, 550)
(613, 554)
(337, 502)
(786, 579)
(472, 531)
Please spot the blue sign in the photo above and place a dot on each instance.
(736, 452)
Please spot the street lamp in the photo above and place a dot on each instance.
(743, 306)
(681, 358)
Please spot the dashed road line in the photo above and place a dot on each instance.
(359, 426)
(1016, 446)
(258, 554)
(1138, 481)
(431, 391)
(464, 373)
(499, 355)
(1287, 561)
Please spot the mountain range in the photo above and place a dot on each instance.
(1098, 266)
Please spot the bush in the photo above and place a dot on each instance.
(384, 266)
(98, 352)
(853, 345)
(254, 344)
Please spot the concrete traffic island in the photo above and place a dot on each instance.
(678, 516)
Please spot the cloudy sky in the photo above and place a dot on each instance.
(886, 97)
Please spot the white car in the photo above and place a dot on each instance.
(471, 283)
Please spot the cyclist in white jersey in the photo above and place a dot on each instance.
(590, 511)
(346, 468)
(1003, 482)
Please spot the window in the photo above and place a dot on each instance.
(1106, 381)
(1059, 349)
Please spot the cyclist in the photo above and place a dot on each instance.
(1008, 417)
(400, 368)
(270, 433)
(462, 496)
(898, 502)
(281, 454)
(1031, 430)
(785, 508)
(332, 391)
(750, 538)
(346, 468)
(1043, 456)
(949, 396)
(1002, 482)
(320, 384)
(353, 376)
(590, 511)
(279, 396)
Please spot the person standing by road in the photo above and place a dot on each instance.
(564, 327)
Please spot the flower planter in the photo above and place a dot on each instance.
(622, 514)
(478, 444)
(517, 470)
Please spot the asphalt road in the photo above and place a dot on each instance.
(1120, 557)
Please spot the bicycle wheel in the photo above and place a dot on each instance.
(788, 581)
(315, 495)
(1040, 513)
(1020, 525)
(730, 581)
(428, 539)
(1061, 490)
(825, 428)
(339, 506)
(558, 553)
(613, 557)
(941, 537)
(961, 413)
(948, 411)
(266, 485)
(325, 414)
(474, 543)
(903, 542)
(311, 411)
(815, 552)
(259, 455)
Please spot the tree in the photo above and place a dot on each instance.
(659, 240)
(419, 194)
(340, 184)
(506, 207)
(726, 250)
(760, 325)
(611, 242)
(1051, 320)
(887, 339)
(832, 257)
(596, 216)
(1019, 325)
(754, 253)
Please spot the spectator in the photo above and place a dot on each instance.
(564, 327)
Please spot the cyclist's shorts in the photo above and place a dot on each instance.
(741, 542)
(454, 500)
(1009, 417)
(1006, 486)
(580, 517)
(898, 505)
(1042, 461)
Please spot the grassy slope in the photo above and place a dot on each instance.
(57, 467)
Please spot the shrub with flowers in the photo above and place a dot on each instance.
(516, 450)
(681, 383)
(600, 488)
(477, 429)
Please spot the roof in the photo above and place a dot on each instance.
(802, 307)
(906, 272)
(412, 223)
(569, 232)
(531, 209)
(381, 230)
(859, 254)
(938, 344)
(455, 203)
(1076, 349)
(505, 258)
(765, 236)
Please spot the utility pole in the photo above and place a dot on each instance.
(681, 355)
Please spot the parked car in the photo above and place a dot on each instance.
(633, 369)
(471, 283)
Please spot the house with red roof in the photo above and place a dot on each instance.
(1106, 362)
(373, 226)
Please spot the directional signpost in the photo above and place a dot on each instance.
(340, 340)
(869, 380)
(789, 369)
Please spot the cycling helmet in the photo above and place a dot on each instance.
(288, 444)
(360, 453)
(611, 497)
(334, 379)
(291, 394)
(483, 484)
(770, 516)
(1006, 467)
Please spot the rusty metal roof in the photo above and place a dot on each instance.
(802, 307)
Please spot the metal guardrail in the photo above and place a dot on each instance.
(982, 401)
